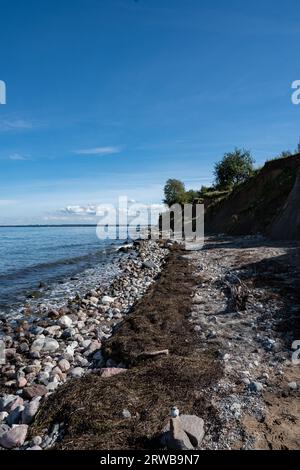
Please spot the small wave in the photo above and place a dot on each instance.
(27, 270)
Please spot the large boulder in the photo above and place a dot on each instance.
(174, 437)
(183, 432)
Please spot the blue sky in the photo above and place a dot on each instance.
(113, 97)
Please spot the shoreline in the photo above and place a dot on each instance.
(43, 353)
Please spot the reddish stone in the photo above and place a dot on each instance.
(110, 371)
(35, 391)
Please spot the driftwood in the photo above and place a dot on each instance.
(145, 354)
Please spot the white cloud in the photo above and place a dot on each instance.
(81, 210)
(15, 124)
(99, 151)
(17, 156)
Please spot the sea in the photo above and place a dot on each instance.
(48, 265)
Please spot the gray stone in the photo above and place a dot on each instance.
(37, 440)
(64, 365)
(15, 437)
(77, 372)
(256, 387)
(52, 386)
(174, 437)
(194, 428)
(3, 415)
(126, 414)
(3, 429)
(5, 400)
(14, 416)
(37, 344)
(292, 386)
(149, 265)
(30, 411)
(50, 345)
(65, 321)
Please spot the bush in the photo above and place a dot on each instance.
(235, 167)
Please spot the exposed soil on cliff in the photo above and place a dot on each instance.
(268, 203)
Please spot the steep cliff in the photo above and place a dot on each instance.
(269, 203)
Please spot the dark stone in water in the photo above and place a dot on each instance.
(34, 295)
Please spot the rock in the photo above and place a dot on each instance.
(53, 330)
(37, 440)
(149, 265)
(111, 371)
(126, 414)
(64, 365)
(77, 372)
(15, 437)
(34, 391)
(3, 429)
(30, 411)
(37, 344)
(5, 400)
(50, 345)
(174, 437)
(106, 300)
(15, 416)
(292, 386)
(194, 428)
(256, 387)
(52, 386)
(23, 348)
(3, 415)
(34, 448)
(43, 378)
(21, 382)
(98, 359)
(18, 401)
(65, 321)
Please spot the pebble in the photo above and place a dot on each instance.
(106, 300)
(65, 321)
(64, 365)
(292, 386)
(77, 372)
(126, 414)
(256, 387)
(3, 415)
(37, 441)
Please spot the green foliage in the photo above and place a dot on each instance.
(235, 167)
(174, 192)
(191, 195)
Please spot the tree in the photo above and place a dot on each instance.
(174, 191)
(234, 168)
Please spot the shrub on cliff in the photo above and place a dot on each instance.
(235, 167)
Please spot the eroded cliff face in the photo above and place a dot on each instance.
(287, 224)
(268, 204)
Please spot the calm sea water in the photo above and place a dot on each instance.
(46, 261)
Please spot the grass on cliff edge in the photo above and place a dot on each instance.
(91, 407)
